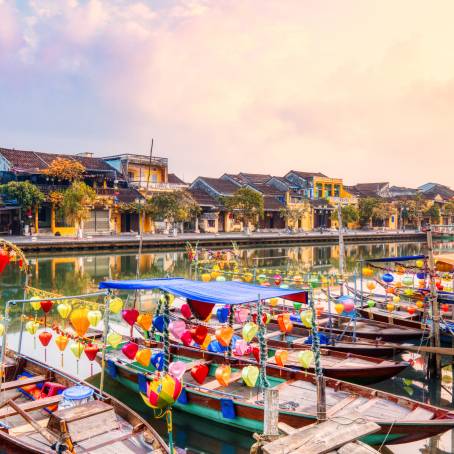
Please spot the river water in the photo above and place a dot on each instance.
(74, 274)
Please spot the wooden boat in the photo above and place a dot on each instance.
(33, 425)
(400, 419)
(364, 328)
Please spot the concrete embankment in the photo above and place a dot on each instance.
(164, 242)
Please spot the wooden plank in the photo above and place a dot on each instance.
(214, 384)
(286, 429)
(25, 428)
(340, 405)
(20, 383)
(356, 448)
(324, 437)
(80, 412)
(32, 406)
(271, 334)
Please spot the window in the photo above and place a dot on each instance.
(336, 190)
(329, 190)
(154, 178)
(211, 223)
(319, 191)
(131, 176)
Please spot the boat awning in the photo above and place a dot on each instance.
(404, 258)
(445, 263)
(229, 292)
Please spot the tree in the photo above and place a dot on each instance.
(350, 214)
(433, 213)
(76, 203)
(381, 212)
(292, 214)
(65, 169)
(246, 204)
(176, 206)
(366, 209)
(26, 194)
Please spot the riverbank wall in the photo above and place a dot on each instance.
(164, 242)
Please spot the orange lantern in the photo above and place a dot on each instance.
(224, 335)
(79, 321)
(281, 357)
(285, 325)
(390, 307)
(62, 342)
(391, 290)
(339, 308)
(371, 285)
(223, 374)
(411, 310)
(319, 310)
(144, 321)
(419, 304)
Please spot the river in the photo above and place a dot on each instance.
(78, 273)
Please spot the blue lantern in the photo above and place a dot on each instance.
(387, 277)
(157, 359)
(159, 323)
(223, 314)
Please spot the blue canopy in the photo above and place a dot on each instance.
(404, 258)
(228, 292)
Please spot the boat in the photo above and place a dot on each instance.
(32, 422)
(235, 404)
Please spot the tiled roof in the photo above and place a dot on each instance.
(308, 174)
(272, 204)
(433, 189)
(255, 177)
(173, 179)
(203, 198)
(33, 161)
(224, 187)
(267, 190)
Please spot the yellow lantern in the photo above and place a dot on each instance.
(31, 327)
(419, 263)
(94, 317)
(367, 271)
(114, 339)
(419, 304)
(396, 299)
(64, 309)
(390, 307)
(273, 302)
(339, 308)
(116, 305)
(79, 321)
(206, 277)
(35, 303)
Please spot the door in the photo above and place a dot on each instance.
(98, 221)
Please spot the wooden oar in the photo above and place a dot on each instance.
(43, 431)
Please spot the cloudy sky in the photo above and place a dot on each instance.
(359, 89)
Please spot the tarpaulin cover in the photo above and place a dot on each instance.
(397, 259)
(229, 292)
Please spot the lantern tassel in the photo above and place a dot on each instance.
(62, 360)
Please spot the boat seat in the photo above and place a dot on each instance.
(22, 382)
(37, 404)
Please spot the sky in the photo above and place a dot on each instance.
(357, 89)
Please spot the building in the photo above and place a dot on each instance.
(145, 173)
(109, 184)
(436, 191)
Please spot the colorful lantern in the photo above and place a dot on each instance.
(419, 304)
(298, 279)
(371, 303)
(223, 374)
(159, 323)
(224, 335)
(177, 369)
(220, 279)
(77, 348)
(31, 327)
(241, 348)
(419, 263)
(206, 342)
(390, 307)
(281, 357)
(177, 328)
(250, 330)
(348, 303)
(314, 282)
(94, 317)
(407, 280)
(91, 351)
(411, 310)
(387, 277)
(206, 277)
(79, 321)
(35, 303)
(248, 277)
(115, 305)
(157, 360)
(61, 342)
(277, 279)
(114, 339)
(285, 325)
(145, 321)
(250, 374)
(396, 299)
(199, 373)
(64, 309)
(162, 391)
(306, 318)
(371, 285)
(2, 329)
(130, 316)
(305, 358)
(400, 270)
(46, 306)
(445, 308)
(130, 350)
(339, 308)
(186, 311)
(186, 338)
(367, 271)
(199, 333)
(273, 302)
(44, 338)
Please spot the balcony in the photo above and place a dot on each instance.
(157, 186)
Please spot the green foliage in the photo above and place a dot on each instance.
(294, 213)
(26, 193)
(176, 206)
(246, 204)
(366, 210)
(349, 214)
(382, 211)
(77, 201)
(433, 213)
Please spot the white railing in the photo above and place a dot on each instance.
(158, 186)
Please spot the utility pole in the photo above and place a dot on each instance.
(341, 248)
(435, 360)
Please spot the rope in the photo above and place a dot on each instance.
(386, 437)
(166, 340)
(263, 380)
(231, 313)
(315, 341)
(158, 311)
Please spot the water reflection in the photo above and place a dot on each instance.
(75, 274)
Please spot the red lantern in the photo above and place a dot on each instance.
(199, 373)
(445, 308)
(4, 260)
(45, 338)
(46, 306)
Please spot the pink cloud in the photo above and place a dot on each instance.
(357, 89)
